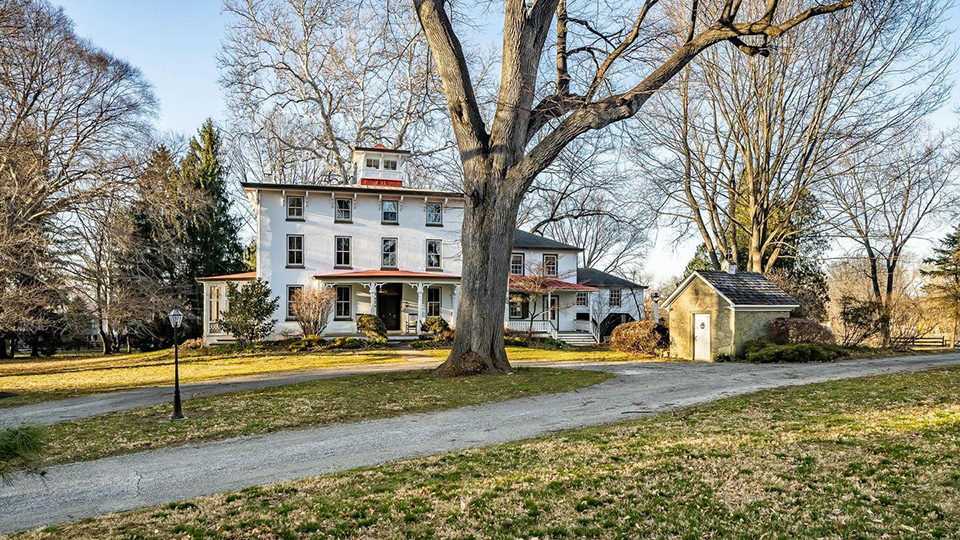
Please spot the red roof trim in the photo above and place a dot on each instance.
(243, 276)
(554, 284)
(387, 274)
(381, 182)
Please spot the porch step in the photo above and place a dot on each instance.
(577, 339)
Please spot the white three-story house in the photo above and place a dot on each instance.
(387, 250)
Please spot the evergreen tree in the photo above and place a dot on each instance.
(944, 288)
(211, 239)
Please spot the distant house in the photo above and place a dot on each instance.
(616, 301)
(716, 312)
(389, 250)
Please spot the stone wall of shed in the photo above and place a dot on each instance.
(698, 297)
(752, 325)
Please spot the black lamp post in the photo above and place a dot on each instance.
(176, 317)
(656, 306)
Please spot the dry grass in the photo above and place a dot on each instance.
(314, 403)
(29, 380)
(586, 354)
(866, 458)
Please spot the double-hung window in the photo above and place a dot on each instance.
(434, 258)
(516, 264)
(581, 299)
(292, 292)
(388, 252)
(344, 211)
(550, 265)
(554, 308)
(294, 250)
(390, 213)
(616, 297)
(342, 252)
(343, 303)
(294, 207)
(389, 164)
(519, 306)
(373, 163)
(433, 302)
(434, 214)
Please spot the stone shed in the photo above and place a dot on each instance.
(716, 312)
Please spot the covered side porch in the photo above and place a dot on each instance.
(402, 299)
(548, 308)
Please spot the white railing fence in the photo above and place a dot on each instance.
(539, 326)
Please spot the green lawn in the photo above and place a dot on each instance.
(314, 403)
(28, 380)
(866, 458)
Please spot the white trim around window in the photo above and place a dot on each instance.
(295, 204)
(294, 251)
(615, 298)
(390, 212)
(343, 210)
(292, 290)
(517, 264)
(342, 252)
(389, 248)
(434, 212)
(434, 254)
(344, 303)
(551, 264)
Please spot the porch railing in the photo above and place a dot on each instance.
(539, 326)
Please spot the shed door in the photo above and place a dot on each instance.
(701, 336)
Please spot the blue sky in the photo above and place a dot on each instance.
(175, 43)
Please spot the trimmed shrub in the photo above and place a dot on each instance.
(372, 327)
(309, 343)
(798, 330)
(795, 353)
(514, 341)
(434, 325)
(345, 343)
(640, 337)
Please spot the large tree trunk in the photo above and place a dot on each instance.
(3, 348)
(14, 344)
(105, 341)
(488, 224)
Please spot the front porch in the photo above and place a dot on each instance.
(402, 300)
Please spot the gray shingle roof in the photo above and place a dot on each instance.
(596, 278)
(525, 240)
(747, 288)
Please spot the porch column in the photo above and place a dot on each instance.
(420, 287)
(456, 303)
(372, 287)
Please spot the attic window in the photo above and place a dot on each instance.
(373, 163)
(389, 164)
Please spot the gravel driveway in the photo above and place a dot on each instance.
(79, 490)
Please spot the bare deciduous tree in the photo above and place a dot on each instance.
(741, 143)
(68, 113)
(606, 70)
(587, 199)
(883, 203)
(308, 81)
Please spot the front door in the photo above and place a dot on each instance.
(388, 305)
(701, 336)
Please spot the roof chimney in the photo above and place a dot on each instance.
(729, 265)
